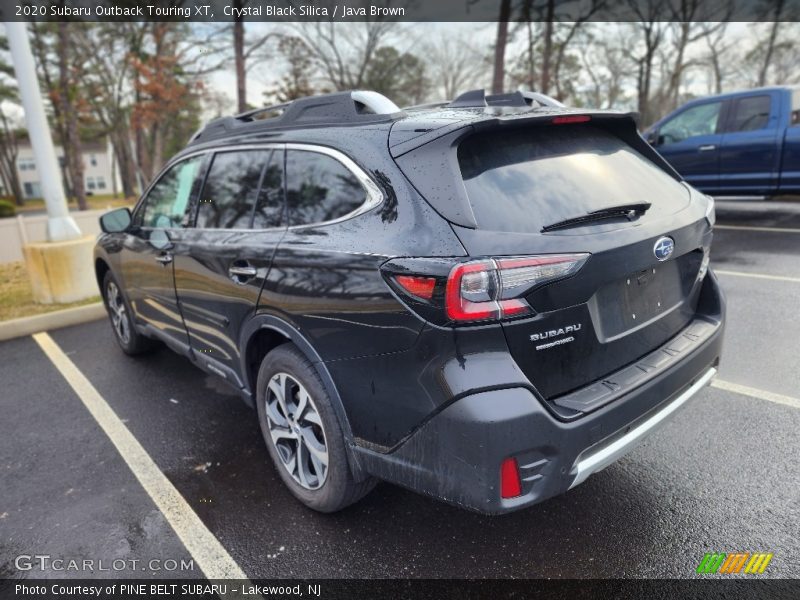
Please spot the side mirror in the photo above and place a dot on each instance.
(159, 239)
(652, 137)
(116, 221)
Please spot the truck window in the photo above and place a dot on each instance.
(695, 121)
(750, 113)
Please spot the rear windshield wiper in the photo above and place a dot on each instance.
(629, 211)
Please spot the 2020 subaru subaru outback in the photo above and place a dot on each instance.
(486, 300)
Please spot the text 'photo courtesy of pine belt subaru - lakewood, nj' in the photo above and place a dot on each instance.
(485, 300)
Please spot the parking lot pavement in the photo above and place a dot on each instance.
(722, 476)
(64, 490)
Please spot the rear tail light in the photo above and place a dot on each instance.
(491, 289)
(510, 485)
(420, 287)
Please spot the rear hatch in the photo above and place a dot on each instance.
(525, 186)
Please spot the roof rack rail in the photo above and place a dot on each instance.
(521, 98)
(339, 108)
(427, 105)
(542, 99)
(479, 99)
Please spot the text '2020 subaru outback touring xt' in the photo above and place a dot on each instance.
(485, 301)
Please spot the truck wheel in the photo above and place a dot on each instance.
(302, 433)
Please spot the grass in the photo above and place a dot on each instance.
(16, 297)
(93, 202)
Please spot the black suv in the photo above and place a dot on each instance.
(486, 300)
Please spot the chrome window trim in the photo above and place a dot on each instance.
(374, 196)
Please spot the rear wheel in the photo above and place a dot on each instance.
(131, 341)
(303, 434)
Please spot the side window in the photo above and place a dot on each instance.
(231, 188)
(269, 210)
(168, 199)
(698, 120)
(795, 118)
(750, 114)
(319, 188)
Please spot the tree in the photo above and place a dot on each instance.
(400, 77)
(453, 63)
(607, 65)
(9, 144)
(243, 51)
(71, 140)
(770, 43)
(107, 86)
(295, 83)
(162, 90)
(501, 40)
(342, 52)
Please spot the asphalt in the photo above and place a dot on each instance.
(722, 476)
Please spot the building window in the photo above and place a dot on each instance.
(31, 189)
(90, 185)
(26, 164)
(93, 160)
(101, 182)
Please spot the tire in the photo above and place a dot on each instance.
(289, 386)
(119, 313)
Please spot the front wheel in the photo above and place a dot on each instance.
(303, 434)
(119, 313)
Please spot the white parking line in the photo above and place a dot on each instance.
(757, 275)
(745, 390)
(203, 546)
(755, 228)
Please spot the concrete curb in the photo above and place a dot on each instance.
(53, 320)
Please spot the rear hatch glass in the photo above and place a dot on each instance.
(523, 180)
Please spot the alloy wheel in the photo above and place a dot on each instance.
(296, 431)
(118, 313)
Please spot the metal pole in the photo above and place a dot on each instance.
(60, 225)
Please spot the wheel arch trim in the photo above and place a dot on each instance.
(283, 327)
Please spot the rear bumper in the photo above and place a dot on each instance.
(456, 455)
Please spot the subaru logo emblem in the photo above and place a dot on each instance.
(663, 248)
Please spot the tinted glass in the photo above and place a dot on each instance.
(750, 114)
(698, 120)
(231, 189)
(168, 199)
(319, 188)
(269, 211)
(795, 120)
(521, 181)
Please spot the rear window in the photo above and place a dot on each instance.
(750, 113)
(521, 181)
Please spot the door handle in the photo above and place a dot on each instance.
(707, 148)
(165, 258)
(245, 271)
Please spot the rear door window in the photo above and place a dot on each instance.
(750, 114)
(319, 188)
(231, 189)
(522, 180)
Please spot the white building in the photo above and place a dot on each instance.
(100, 172)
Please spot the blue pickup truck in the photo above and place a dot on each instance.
(742, 143)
